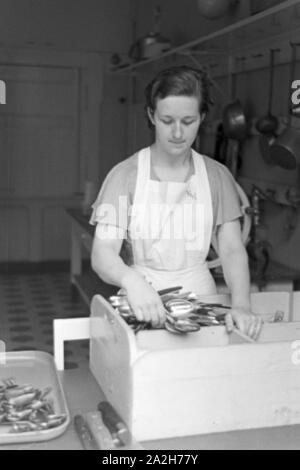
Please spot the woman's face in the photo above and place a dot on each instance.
(176, 120)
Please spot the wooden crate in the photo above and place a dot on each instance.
(165, 385)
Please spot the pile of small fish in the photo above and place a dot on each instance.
(24, 408)
(185, 313)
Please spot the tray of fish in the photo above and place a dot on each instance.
(185, 313)
(33, 407)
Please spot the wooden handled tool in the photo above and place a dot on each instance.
(118, 429)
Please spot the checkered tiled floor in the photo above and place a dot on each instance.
(28, 305)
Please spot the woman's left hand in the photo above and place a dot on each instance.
(244, 320)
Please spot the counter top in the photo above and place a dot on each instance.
(83, 394)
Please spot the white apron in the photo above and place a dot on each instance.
(171, 228)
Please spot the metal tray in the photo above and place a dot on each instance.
(37, 368)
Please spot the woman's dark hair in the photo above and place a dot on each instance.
(178, 81)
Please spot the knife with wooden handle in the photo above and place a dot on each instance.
(116, 426)
(84, 433)
(101, 434)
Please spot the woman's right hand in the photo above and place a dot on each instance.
(143, 299)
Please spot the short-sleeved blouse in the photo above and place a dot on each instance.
(120, 183)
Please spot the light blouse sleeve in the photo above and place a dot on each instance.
(227, 201)
(112, 203)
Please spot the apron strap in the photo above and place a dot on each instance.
(204, 194)
(143, 176)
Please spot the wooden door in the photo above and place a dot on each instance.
(39, 131)
(39, 155)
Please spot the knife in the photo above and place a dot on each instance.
(84, 433)
(116, 426)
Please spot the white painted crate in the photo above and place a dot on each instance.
(165, 385)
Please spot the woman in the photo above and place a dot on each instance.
(166, 202)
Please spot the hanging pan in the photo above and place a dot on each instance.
(268, 125)
(235, 127)
(234, 119)
(285, 152)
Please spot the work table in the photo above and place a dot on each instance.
(83, 394)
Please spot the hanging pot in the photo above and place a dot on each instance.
(285, 152)
(235, 129)
(268, 125)
(148, 47)
(234, 119)
(153, 44)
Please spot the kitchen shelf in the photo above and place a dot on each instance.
(252, 36)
